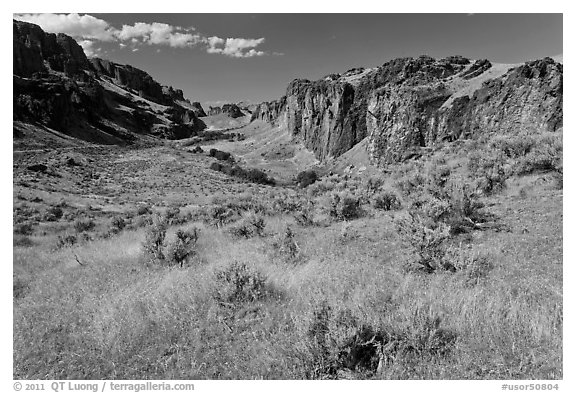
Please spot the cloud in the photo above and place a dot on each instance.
(85, 26)
(87, 29)
(235, 47)
(88, 47)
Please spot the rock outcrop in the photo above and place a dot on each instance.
(410, 103)
(406, 117)
(231, 110)
(97, 100)
(198, 110)
(269, 111)
(36, 51)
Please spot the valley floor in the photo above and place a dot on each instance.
(297, 301)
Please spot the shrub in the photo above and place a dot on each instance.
(219, 216)
(546, 155)
(306, 178)
(252, 175)
(84, 225)
(386, 200)
(305, 216)
(66, 241)
(458, 207)
(257, 223)
(287, 246)
(428, 244)
(489, 169)
(183, 246)
(220, 155)
(344, 206)
(24, 228)
(257, 176)
(142, 221)
(237, 283)
(22, 241)
(118, 224)
(373, 185)
(172, 216)
(144, 209)
(53, 213)
(411, 183)
(154, 240)
(474, 266)
(513, 146)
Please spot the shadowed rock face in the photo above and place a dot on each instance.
(231, 110)
(400, 107)
(57, 86)
(37, 51)
(269, 111)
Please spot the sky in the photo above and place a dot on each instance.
(217, 58)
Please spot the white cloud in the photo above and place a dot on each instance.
(88, 47)
(87, 29)
(235, 47)
(85, 26)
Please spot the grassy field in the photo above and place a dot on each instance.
(323, 282)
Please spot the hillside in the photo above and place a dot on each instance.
(408, 105)
(60, 91)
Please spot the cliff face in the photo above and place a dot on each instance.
(231, 110)
(37, 51)
(269, 111)
(97, 100)
(411, 103)
(403, 118)
(137, 80)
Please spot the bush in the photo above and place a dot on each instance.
(306, 178)
(545, 156)
(118, 224)
(220, 155)
(53, 213)
(252, 175)
(237, 283)
(153, 244)
(344, 206)
(84, 225)
(473, 266)
(219, 215)
(386, 200)
(428, 244)
(252, 225)
(24, 228)
(66, 241)
(458, 207)
(144, 209)
(183, 246)
(489, 169)
(287, 246)
(305, 216)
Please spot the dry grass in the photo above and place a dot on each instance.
(112, 316)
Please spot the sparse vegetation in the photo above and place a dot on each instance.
(209, 276)
(305, 178)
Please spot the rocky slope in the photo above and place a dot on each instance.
(96, 100)
(411, 103)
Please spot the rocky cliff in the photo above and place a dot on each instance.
(410, 103)
(55, 85)
(36, 51)
(269, 111)
(231, 110)
(402, 118)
